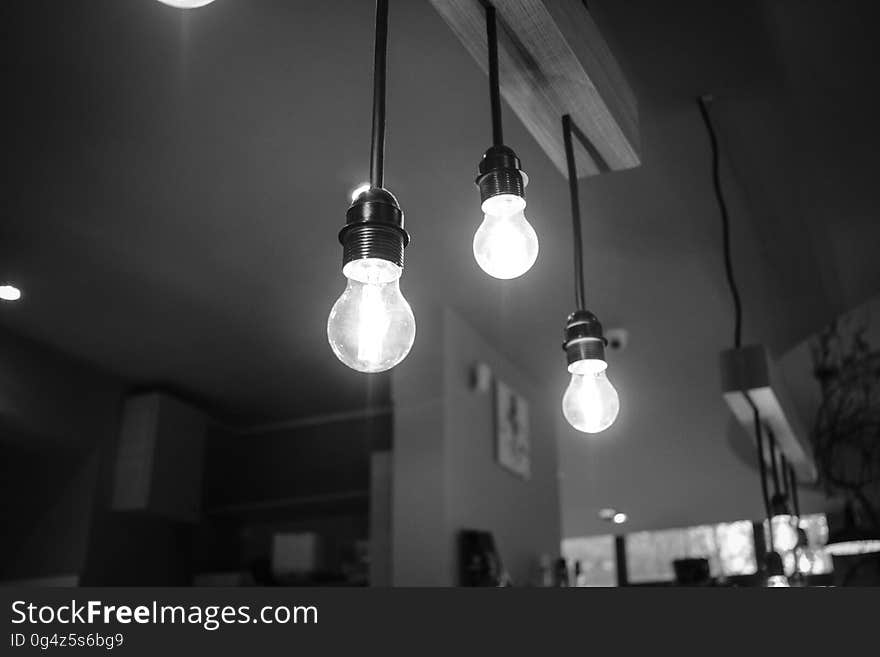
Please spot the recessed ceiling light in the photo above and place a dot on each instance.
(612, 515)
(360, 189)
(9, 293)
(186, 4)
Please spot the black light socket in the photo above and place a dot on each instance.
(773, 565)
(583, 338)
(779, 505)
(374, 228)
(500, 173)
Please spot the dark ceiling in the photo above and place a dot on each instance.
(175, 182)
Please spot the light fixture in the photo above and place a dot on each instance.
(505, 244)
(590, 403)
(186, 4)
(774, 571)
(783, 524)
(610, 514)
(775, 511)
(371, 327)
(803, 560)
(9, 293)
(851, 540)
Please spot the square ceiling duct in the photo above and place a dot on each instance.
(553, 61)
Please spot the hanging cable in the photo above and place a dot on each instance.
(792, 486)
(774, 470)
(783, 473)
(762, 466)
(703, 103)
(377, 143)
(579, 293)
(494, 84)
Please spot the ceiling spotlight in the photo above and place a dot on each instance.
(186, 4)
(613, 515)
(774, 571)
(9, 293)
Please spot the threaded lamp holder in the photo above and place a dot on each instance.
(500, 173)
(374, 228)
(583, 339)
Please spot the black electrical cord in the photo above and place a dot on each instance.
(494, 84)
(579, 293)
(792, 486)
(783, 474)
(377, 144)
(703, 103)
(762, 466)
(774, 470)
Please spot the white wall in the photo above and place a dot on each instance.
(445, 474)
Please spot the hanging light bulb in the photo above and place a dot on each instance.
(801, 562)
(371, 327)
(774, 571)
(590, 403)
(505, 244)
(783, 524)
(785, 534)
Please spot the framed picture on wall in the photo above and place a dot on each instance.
(512, 446)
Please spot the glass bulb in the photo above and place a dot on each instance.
(777, 581)
(505, 244)
(9, 293)
(785, 535)
(371, 327)
(590, 403)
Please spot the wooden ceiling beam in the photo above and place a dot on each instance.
(553, 61)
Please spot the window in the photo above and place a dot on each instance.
(596, 557)
(729, 547)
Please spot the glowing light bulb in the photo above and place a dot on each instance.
(9, 293)
(777, 581)
(186, 4)
(590, 403)
(785, 536)
(505, 244)
(371, 327)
